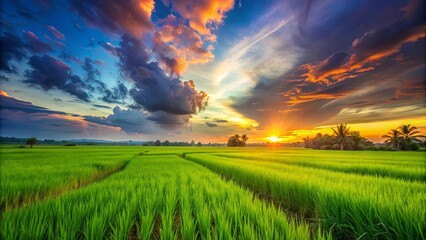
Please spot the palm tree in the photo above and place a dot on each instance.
(393, 137)
(341, 132)
(409, 134)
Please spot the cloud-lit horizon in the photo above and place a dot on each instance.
(205, 70)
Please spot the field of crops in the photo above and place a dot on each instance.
(133, 192)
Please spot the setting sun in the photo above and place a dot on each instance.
(274, 139)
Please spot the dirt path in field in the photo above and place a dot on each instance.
(26, 201)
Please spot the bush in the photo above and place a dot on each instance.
(21, 146)
(382, 148)
(413, 146)
(371, 148)
(69, 144)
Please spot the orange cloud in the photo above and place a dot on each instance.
(178, 46)
(3, 93)
(294, 100)
(203, 15)
(132, 17)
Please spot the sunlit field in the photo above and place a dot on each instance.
(134, 192)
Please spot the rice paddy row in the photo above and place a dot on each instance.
(348, 204)
(155, 197)
(339, 195)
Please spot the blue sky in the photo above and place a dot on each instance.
(204, 70)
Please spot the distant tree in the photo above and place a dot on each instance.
(308, 142)
(31, 141)
(237, 141)
(409, 134)
(199, 144)
(341, 132)
(192, 143)
(393, 137)
(157, 143)
(166, 143)
(244, 139)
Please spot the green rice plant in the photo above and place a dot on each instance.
(349, 204)
(155, 196)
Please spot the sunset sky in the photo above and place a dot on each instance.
(203, 70)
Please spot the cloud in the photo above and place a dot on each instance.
(68, 57)
(101, 106)
(35, 44)
(49, 73)
(23, 119)
(116, 95)
(203, 15)
(110, 48)
(169, 121)
(211, 124)
(55, 42)
(154, 90)
(118, 17)
(9, 103)
(12, 48)
(130, 121)
(177, 46)
(56, 32)
(370, 49)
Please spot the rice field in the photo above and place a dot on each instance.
(134, 192)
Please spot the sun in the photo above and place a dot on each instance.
(274, 139)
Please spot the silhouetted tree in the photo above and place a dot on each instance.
(31, 141)
(199, 144)
(157, 143)
(244, 139)
(393, 137)
(237, 141)
(410, 136)
(341, 132)
(192, 143)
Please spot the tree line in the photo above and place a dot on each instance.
(406, 137)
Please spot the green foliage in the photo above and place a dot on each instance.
(155, 197)
(246, 195)
(31, 141)
(345, 198)
(352, 141)
(237, 141)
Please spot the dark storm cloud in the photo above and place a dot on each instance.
(23, 119)
(12, 48)
(50, 73)
(130, 121)
(154, 90)
(133, 17)
(169, 121)
(13, 104)
(35, 44)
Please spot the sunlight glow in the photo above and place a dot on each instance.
(274, 139)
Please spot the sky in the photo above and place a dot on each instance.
(204, 70)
